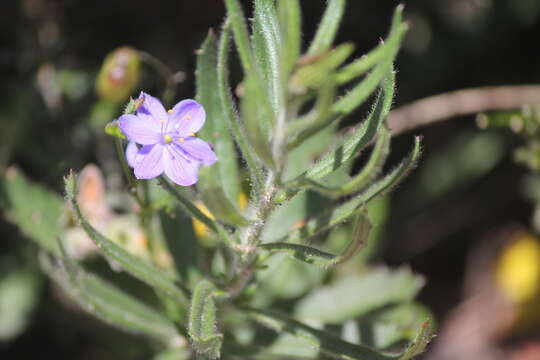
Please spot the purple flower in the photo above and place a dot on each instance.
(167, 139)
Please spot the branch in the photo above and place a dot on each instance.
(461, 102)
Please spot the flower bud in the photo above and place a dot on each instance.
(119, 75)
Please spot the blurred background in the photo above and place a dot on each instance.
(466, 213)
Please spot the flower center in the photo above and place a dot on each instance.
(168, 139)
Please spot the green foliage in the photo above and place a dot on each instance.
(135, 266)
(34, 209)
(379, 287)
(212, 263)
(108, 303)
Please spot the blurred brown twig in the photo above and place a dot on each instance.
(444, 106)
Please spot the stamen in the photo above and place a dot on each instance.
(169, 111)
(187, 117)
(193, 134)
(181, 139)
(168, 139)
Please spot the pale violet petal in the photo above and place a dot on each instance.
(131, 153)
(199, 150)
(151, 108)
(149, 162)
(139, 130)
(179, 168)
(186, 117)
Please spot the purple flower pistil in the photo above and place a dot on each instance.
(167, 140)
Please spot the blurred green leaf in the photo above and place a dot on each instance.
(109, 303)
(202, 321)
(358, 294)
(331, 344)
(34, 209)
(290, 22)
(173, 354)
(467, 157)
(132, 264)
(285, 278)
(327, 29)
(19, 296)
(391, 325)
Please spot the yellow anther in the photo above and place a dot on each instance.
(169, 111)
(162, 121)
(168, 139)
(187, 117)
(192, 134)
(181, 139)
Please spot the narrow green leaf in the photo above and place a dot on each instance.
(328, 27)
(358, 138)
(331, 344)
(34, 209)
(132, 264)
(192, 211)
(358, 294)
(368, 61)
(231, 116)
(342, 212)
(318, 73)
(220, 181)
(202, 321)
(290, 21)
(358, 94)
(240, 32)
(109, 303)
(370, 171)
(266, 40)
(319, 114)
(317, 257)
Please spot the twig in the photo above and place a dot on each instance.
(461, 102)
(170, 78)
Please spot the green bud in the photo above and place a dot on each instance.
(113, 129)
(119, 75)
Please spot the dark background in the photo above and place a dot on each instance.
(453, 44)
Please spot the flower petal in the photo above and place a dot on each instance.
(199, 150)
(179, 168)
(187, 117)
(152, 108)
(139, 130)
(149, 162)
(131, 153)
